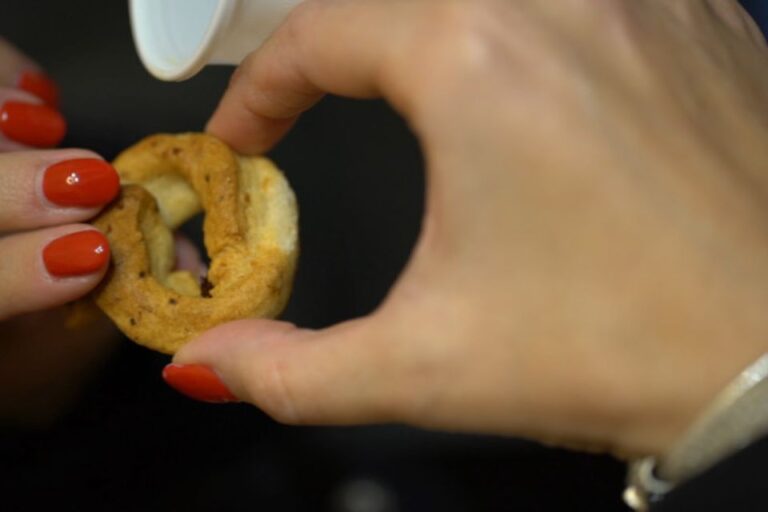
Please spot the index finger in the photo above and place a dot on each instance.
(331, 46)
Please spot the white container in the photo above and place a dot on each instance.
(177, 38)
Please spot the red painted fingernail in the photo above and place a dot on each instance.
(198, 382)
(30, 124)
(41, 85)
(76, 254)
(81, 182)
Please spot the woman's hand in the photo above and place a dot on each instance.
(49, 256)
(593, 261)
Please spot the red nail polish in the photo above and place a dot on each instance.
(76, 254)
(41, 85)
(30, 124)
(198, 382)
(81, 182)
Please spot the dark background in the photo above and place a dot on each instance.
(132, 444)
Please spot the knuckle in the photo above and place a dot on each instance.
(452, 42)
(617, 16)
(304, 10)
(304, 14)
(270, 390)
(457, 29)
(275, 88)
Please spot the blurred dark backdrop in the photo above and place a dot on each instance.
(134, 445)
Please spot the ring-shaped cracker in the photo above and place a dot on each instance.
(250, 234)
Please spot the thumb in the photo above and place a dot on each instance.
(338, 375)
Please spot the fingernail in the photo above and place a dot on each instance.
(76, 254)
(81, 182)
(41, 85)
(198, 382)
(34, 125)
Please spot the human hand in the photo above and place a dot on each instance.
(594, 249)
(49, 256)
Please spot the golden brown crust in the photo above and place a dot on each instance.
(249, 229)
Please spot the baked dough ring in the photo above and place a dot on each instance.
(250, 233)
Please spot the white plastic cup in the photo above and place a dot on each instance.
(175, 39)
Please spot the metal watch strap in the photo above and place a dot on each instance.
(737, 417)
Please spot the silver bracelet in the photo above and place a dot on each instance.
(737, 417)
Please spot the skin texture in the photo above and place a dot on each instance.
(592, 260)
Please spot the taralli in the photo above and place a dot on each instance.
(250, 233)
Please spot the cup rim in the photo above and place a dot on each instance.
(198, 60)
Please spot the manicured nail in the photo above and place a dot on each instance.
(34, 125)
(76, 254)
(41, 85)
(81, 182)
(198, 382)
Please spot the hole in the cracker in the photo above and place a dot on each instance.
(190, 252)
(205, 288)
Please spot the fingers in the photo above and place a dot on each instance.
(292, 70)
(341, 375)
(26, 121)
(49, 267)
(12, 63)
(44, 188)
(19, 71)
(29, 101)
